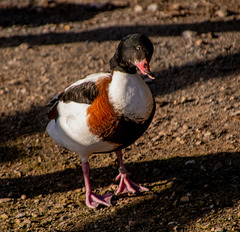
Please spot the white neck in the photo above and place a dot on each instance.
(130, 96)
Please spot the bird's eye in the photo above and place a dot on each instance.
(138, 48)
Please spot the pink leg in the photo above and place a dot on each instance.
(93, 200)
(126, 185)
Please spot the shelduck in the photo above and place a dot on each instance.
(106, 112)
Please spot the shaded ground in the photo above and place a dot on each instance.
(188, 158)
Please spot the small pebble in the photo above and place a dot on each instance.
(23, 197)
(190, 162)
(211, 206)
(27, 221)
(3, 200)
(218, 229)
(10, 195)
(39, 159)
(20, 215)
(132, 223)
(175, 203)
(188, 34)
(3, 216)
(184, 199)
(138, 9)
(183, 99)
(18, 222)
(180, 140)
(24, 46)
(208, 135)
(217, 166)
(221, 13)
(173, 195)
(198, 42)
(97, 5)
(19, 174)
(176, 6)
(236, 113)
(199, 142)
(172, 223)
(67, 28)
(152, 7)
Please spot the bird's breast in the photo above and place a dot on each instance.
(121, 120)
(131, 97)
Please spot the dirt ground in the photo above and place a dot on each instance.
(189, 157)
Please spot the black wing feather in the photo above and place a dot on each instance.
(83, 93)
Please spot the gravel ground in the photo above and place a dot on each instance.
(189, 157)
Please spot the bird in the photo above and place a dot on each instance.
(106, 112)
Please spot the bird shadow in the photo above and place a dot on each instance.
(184, 189)
(211, 182)
(23, 123)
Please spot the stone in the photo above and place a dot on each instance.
(221, 13)
(190, 162)
(183, 99)
(67, 27)
(24, 46)
(236, 113)
(152, 7)
(138, 9)
(185, 127)
(3, 200)
(188, 34)
(198, 42)
(3, 216)
(184, 199)
(217, 166)
(23, 197)
(39, 159)
(20, 215)
(172, 223)
(132, 223)
(27, 221)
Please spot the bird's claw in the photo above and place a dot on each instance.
(126, 185)
(94, 200)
